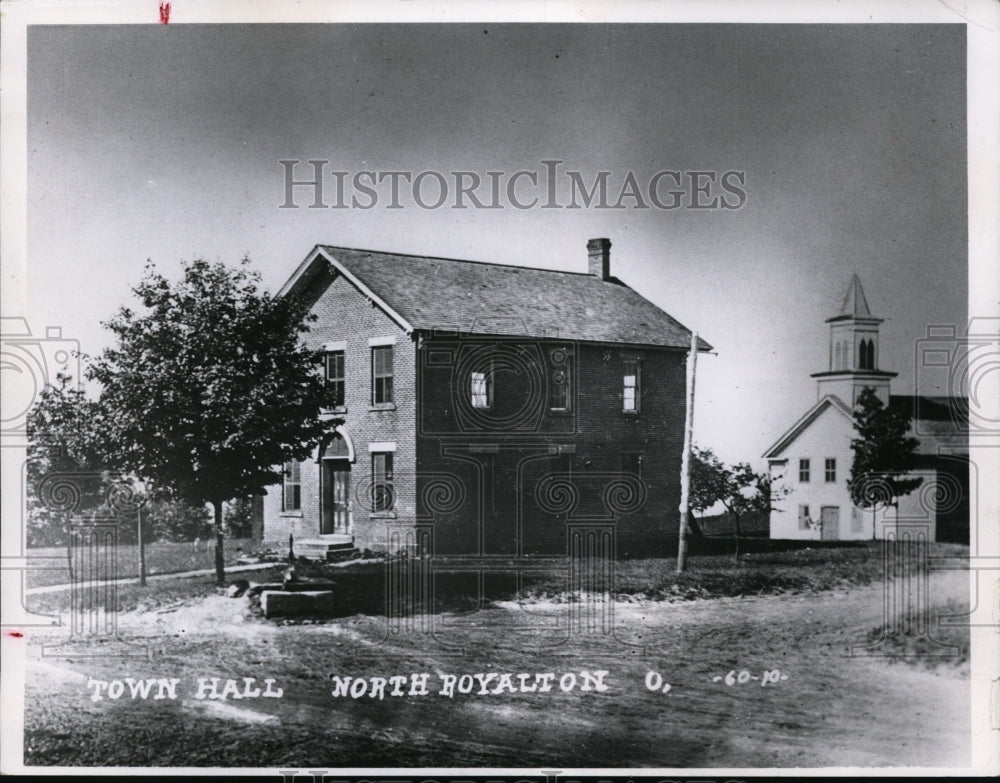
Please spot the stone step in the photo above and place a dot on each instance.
(321, 547)
(278, 603)
(326, 548)
(326, 544)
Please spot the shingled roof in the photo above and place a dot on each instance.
(939, 423)
(471, 297)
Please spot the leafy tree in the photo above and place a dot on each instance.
(209, 389)
(738, 488)
(238, 517)
(177, 520)
(707, 479)
(65, 473)
(883, 454)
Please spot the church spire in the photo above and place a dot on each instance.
(853, 354)
(855, 303)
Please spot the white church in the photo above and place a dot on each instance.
(812, 459)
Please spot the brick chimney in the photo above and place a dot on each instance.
(599, 257)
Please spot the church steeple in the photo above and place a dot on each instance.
(853, 354)
(854, 301)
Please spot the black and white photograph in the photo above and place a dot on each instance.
(530, 390)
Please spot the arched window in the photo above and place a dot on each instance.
(837, 360)
(337, 447)
(867, 355)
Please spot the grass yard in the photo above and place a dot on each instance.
(162, 557)
(770, 568)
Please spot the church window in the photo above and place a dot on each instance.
(857, 523)
(867, 355)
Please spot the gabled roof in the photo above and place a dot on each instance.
(829, 401)
(424, 293)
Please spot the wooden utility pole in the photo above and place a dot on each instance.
(686, 456)
(142, 546)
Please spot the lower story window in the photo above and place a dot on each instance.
(382, 491)
(291, 495)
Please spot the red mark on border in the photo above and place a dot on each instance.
(15, 634)
(164, 13)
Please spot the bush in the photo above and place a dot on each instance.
(175, 520)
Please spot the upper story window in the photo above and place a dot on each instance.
(291, 490)
(382, 374)
(631, 386)
(481, 389)
(830, 470)
(804, 471)
(335, 378)
(560, 387)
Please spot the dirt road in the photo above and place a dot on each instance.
(821, 707)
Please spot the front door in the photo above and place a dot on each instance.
(830, 519)
(336, 496)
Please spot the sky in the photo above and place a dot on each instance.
(164, 143)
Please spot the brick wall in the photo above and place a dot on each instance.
(510, 479)
(344, 314)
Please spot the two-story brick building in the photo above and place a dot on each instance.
(488, 409)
